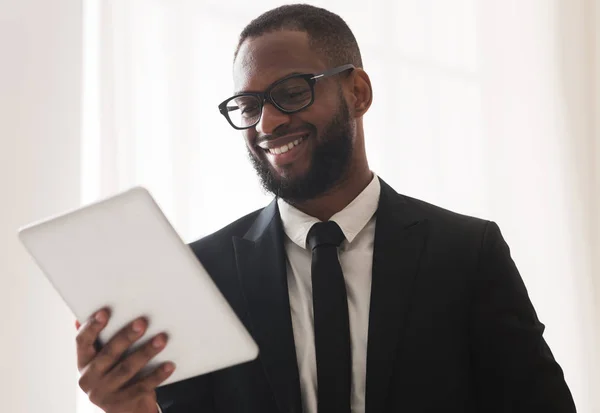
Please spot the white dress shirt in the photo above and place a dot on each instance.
(357, 222)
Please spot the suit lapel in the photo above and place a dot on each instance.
(399, 239)
(261, 265)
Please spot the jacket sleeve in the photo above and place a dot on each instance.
(514, 368)
(188, 396)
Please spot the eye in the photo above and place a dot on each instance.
(294, 94)
(250, 110)
(247, 105)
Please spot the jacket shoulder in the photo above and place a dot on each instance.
(450, 226)
(442, 216)
(222, 238)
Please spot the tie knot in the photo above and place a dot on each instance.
(325, 233)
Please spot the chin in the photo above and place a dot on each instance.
(297, 169)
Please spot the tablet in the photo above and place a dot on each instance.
(122, 253)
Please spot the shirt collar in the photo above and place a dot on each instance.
(352, 219)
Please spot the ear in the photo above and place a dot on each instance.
(362, 92)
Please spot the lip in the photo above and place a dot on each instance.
(281, 141)
(286, 158)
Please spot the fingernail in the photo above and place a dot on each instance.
(169, 367)
(158, 342)
(100, 317)
(137, 326)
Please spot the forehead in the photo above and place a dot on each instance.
(263, 60)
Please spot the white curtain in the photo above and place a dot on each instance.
(40, 69)
(483, 107)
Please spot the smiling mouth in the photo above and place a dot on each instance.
(285, 148)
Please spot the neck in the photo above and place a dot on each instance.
(328, 204)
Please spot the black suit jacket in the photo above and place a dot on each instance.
(451, 326)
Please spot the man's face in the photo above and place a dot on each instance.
(302, 155)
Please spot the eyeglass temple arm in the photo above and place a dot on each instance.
(335, 71)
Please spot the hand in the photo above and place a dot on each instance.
(108, 380)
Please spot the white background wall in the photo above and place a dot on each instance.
(40, 53)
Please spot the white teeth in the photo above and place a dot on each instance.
(285, 148)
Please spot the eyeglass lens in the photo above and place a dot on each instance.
(290, 95)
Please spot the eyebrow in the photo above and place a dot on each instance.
(281, 78)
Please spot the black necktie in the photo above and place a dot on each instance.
(332, 328)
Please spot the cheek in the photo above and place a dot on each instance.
(322, 112)
(249, 139)
(255, 151)
(317, 122)
(317, 116)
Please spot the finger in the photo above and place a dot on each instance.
(87, 336)
(149, 383)
(112, 352)
(126, 370)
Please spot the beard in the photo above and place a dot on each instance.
(329, 164)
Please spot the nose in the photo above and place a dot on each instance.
(271, 119)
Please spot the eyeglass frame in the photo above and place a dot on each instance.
(265, 96)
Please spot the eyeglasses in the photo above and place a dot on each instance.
(289, 95)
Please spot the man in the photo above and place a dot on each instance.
(360, 299)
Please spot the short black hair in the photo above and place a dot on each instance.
(327, 32)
